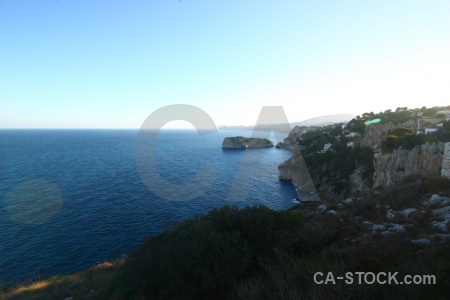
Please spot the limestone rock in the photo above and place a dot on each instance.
(295, 170)
(398, 228)
(444, 212)
(348, 201)
(296, 133)
(357, 182)
(442, 225)
(322, 207)
(378, 227)
(425, 160)
(408, 211)
(439, 200)
(375, 134)
(240, 142)
(446, 161)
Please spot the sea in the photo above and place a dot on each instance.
(70, 199)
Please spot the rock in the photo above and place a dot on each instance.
(408, 211)
(322, 207)
(295, 170)
(281, 145)
(445, 202)
(378, 227)
(375, 134)
(398, 228)
(357, 182)
(240, 142)
(296, 133)
(421, 242)
(390, 216)
(443, 212)
(332, 212)
(436, 199)
(348, 201)
(446, 161)
(442, 225)
(423, 159)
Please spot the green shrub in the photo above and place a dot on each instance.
(205, 257)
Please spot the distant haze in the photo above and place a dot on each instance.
(317, 121)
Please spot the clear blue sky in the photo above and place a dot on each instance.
(109, 64)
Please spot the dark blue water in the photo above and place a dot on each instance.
(73, 198)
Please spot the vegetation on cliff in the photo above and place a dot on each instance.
(340, 158)
(331, 160)
(406, 138)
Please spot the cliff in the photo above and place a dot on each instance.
(446, 161)
(422, 160)
(295, 171)
(375, 134)
(240, 142)
(370, 151)
(295, 135)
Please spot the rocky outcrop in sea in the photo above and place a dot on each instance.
(240, 142)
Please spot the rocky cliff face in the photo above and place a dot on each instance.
(295, 170)
(446, 161)
(294, 136)
(357, 181)
(240, 142)
(375, 134)
(388, 169)
(421, 160)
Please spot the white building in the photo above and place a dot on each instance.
(326, 147)
(352, 134)
(445, 112)
(430, 130)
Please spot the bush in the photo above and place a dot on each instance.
(435, 184)
(207, 256)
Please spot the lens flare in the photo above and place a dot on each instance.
(374, 121)
(34, 202)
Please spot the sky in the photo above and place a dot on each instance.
(110, 64)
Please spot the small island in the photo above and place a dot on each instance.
(240, 142)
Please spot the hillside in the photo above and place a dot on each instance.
(370, 151)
